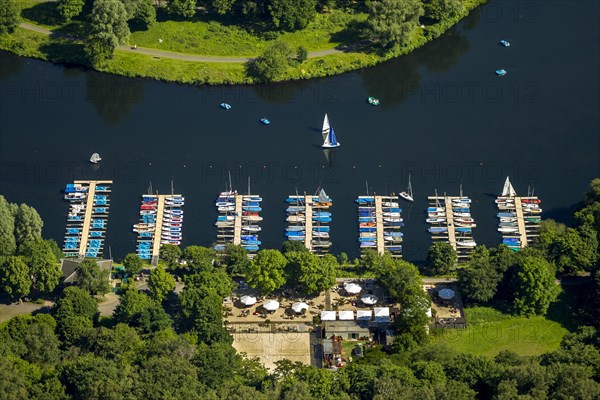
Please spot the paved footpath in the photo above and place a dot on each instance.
(172, 55)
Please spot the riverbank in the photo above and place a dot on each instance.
(175, 61)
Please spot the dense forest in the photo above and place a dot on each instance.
(159, 344)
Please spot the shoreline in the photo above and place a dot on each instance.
(34, 41)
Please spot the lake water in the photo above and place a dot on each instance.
(444, 117)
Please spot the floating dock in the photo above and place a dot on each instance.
(379, 224)
(161, 222)
(309, 218)
(520, 217)
(450, 220)
(87, 218)
(237, 221)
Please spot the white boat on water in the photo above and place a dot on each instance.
(408, 195)
(296, 218)
(95, 158)
(252, 218)
(390, 204)
(466, 243)
(251, 228)
(391, 214)
(462, 214)
(329, 139)
(435, 220)
(506, 229)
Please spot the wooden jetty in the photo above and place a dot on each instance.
(88, 210)
(519, 217)
(374, 209)
(458, 240)
(231, 223)
(308, 213)
(237, 224)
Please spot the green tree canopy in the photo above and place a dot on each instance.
(479, 280)
(69, 9)
(267, 271)
(8, 244)
(441, 257)
(92, 278)
(533, 286)
(201, 310)
(10, 16)
(199, 258)
(140, 12)
(216, 279)
(108, 29)
(392, 22)
(28, 225)
(138, 310)
(293, 245)
(133, 264)
(182, 8)
(14, 277)
(314, 274)
(291, 15)
(43, 265)
(273, 62)
(75, 301)
(441, 10)
(236, 259)
(160, 283)
(170, 254)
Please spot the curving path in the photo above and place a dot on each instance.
(168, 54)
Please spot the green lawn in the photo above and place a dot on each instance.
(217, 39)
(491, 331)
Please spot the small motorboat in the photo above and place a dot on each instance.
(501, 72)
(265, 121)
(373, 101)
(226, 106)
(505, 43)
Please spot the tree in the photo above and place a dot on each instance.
(199, 258)
(10, 16)
(140, 12)
(266, 271)
(442, 10)
(108, 29)
(8, 244)
(75, 302)
(442, 257)
(216, 279)
(121, 343)
(429, 372)
(593, 195)
(293, 245)
(533, 286)
(138, 310)
(392, 22)
(236, 259)
(274, 61)
(14, 277)
(44, 267)
(222, 7)
(201, 311)
(182, 8)
(160, 283)
(170, 254)
(313, 273)
(291, 15)
(68, 9)
(133, 264)
(28, 225)
(91, 278)
(216, 363)
(42, 344)
(74, 329)
(479, 280)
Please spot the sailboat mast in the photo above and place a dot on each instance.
(367, 185)
(409, 187)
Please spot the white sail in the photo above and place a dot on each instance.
(410, 192)
(508, 190)
(326, 129)
(95, 158)
(323, 198)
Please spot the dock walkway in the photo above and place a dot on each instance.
(308, 212)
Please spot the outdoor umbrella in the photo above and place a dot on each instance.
(368, 299)
(271, 305)
(446, 294)
(248, 300)
(299, 306)
(352, 288)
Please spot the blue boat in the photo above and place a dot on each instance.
(501, 72)
(265, 121)
(250, 203)
(394, 249)
(366, 219)
(392, 209)
(251, 242)
(362, 200)
(366, 239)
(367, 229)
(251, 208)
(506, 214)
(294, 233)
(463, 229)
(297, 238)
(461, 210)
(321, 214)
(249, 237)
(295, 228)
(394, 233)
(225, 106)
(505, 43)
(322, 219)
(434, 229)
(397, 224)
(321, 228)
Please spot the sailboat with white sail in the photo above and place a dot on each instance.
(329, 139)
(408, 195)
(508, 190)
(95, 158)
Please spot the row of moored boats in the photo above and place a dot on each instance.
(380, 218)
(308, 220)
(450, 217)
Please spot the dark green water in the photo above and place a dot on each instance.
(445, 118)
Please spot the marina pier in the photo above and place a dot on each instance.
(450, 221)
(161, 222)
(309, 217)
(520, 217)
(379, 224)
(87, 218)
